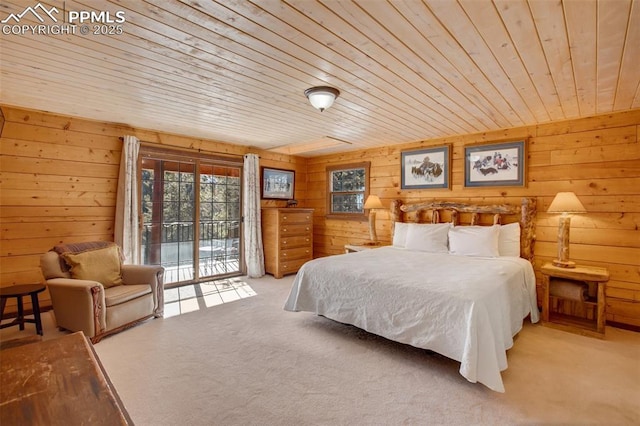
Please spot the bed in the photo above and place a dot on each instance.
(465, 301)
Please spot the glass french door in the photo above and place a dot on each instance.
(191, 214)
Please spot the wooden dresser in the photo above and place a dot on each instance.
(287, 236)
(57, 382)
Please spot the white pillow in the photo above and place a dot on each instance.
(509, 240)
(400, 234)
(428, 237)
(474, 240)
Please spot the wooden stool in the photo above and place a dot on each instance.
(18, 291)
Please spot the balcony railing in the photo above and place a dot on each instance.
(218, 247)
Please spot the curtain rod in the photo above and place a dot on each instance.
(172, 148)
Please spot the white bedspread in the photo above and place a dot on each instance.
(466, 308)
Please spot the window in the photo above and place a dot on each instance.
(190, 208)
(347, 188)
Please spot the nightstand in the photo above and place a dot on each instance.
(579, 290)
(352, 248)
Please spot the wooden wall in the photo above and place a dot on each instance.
(598, 158)
(58, 181)
(58, 178)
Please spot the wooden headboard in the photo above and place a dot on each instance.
(432, 211)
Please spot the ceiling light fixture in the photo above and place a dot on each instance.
(322, 97)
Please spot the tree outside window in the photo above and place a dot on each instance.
(347, 188)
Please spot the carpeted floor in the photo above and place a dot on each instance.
(249, 362)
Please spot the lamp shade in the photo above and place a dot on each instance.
(373, 202)
(321, 97)
(566, 202)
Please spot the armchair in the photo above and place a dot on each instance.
(93, 292)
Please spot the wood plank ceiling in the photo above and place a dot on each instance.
(235, 70)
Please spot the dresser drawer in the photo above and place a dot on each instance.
(294, 229)
(295, 217)
(295, 253)
(290, 266)
(297, 241)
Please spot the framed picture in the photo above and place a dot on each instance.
(496, 164)
(426, 168)
(277, 183)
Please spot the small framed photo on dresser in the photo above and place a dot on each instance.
(495, 164)
(277, 184)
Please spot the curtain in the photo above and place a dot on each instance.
(253, 253)
(126, 233)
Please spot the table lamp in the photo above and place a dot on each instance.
(372, 203)
(566, 203)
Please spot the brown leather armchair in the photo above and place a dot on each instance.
(98, 309)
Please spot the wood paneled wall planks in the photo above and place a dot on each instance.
(58, 183)
(598, 158)
(59, 178)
